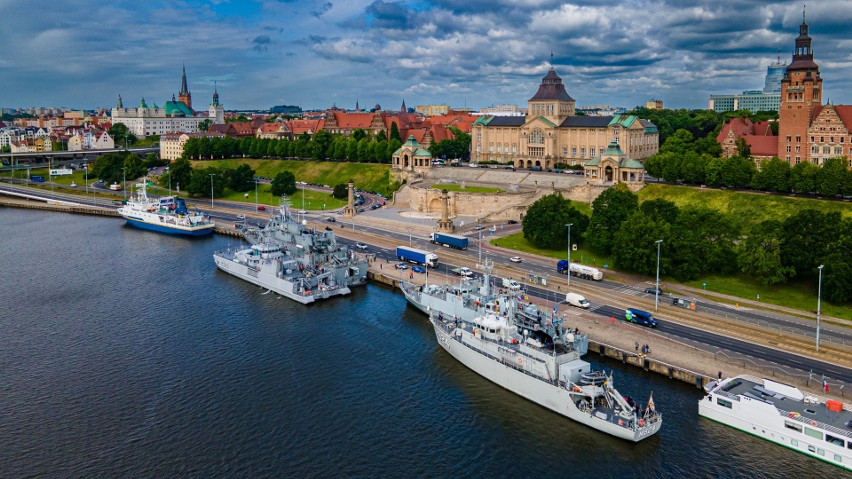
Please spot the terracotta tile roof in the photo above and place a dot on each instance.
(740, 126)
(301, 126)
(353, 120)
(243, 128)
(762, 145)
(762, 128)
(845, 114)
(269, 127)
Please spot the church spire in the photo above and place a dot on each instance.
(119, 103)
(403, 109)
(184, 95)
(215, 93)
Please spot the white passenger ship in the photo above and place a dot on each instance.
(782, 414)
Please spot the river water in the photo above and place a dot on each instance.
(125, 353)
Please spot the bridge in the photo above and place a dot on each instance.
(43, 156)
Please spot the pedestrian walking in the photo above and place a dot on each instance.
(720, 375)
(637, 346)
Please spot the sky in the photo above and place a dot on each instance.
(320, 53)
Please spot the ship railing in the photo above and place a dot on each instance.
(726, 394)
(813, 422)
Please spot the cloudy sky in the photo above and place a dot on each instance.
(315, 53)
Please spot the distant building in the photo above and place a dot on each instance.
(177, 115)
(432, 110)
(654, 104)
(286, 109)
(762, 143)
(412, 157)
(502, 110)
(613, 166)
(552, 133)
(601, 110)
(768, 99)
(171, 144)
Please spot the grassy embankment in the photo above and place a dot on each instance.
(746, 208)
(466, 189)
(314, 200)
(367, 176)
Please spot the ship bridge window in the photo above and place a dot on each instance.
(793, 426)
(723, 403)
(813, 433)
(834, 440)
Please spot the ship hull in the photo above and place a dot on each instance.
(267, 279)
(531, 388)
(169, 229)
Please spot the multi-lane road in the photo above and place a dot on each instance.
(229, 213)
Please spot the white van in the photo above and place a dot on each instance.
(576, 300)
(511, 284)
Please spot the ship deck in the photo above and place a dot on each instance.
(812, 408)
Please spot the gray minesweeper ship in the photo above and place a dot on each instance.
(469, 299)
(295, 261)
(549, 374)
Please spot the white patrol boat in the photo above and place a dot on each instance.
(550, 374)
(805, 423)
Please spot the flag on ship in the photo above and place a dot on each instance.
(650, 407)
(825, 385)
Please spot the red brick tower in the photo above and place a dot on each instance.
(801, 94)
(184, 94)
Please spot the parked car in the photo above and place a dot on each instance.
(401, 266)
(418, 269)
(653, 290)
(302, 212)
(515, 259)
(330, 219)
(512, 222)
(328, 228)
(478, 227)
(361, 246)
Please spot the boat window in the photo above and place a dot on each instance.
(821, 452)
(838, 458)
(834, 440)
(849, 445)
(790, 425)
(794, 443)
(813, 433)
(811, 448)
(723, 403)
(810, 411)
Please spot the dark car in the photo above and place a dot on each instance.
(418, 269)
(654, 291)
(330, 219)
(512, 222)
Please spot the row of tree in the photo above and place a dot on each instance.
(700, 241)
(680, 160)
(199, 182)
(115, 167)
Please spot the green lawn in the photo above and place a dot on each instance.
(367, 176)
(466, 189)
(798, 295)
(314, 200)
(748, 208)
(582, 255)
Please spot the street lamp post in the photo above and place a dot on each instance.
(211, 188)
(124, 180)
(819, 296)
(657, 289)
(170, 182)
(569, 253)
(255, 194)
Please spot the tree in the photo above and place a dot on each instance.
(672, 164)
(803, 177)
(679, 143)
(284, 183)
(702, 241)
(636, 250)
(341, 191)
(692, 168)
(359, 134)
(205, 125)
(363, 149)
(134, 166)
(654, 165)
(181, 174)
(738, 172)
(609, 210)
(153, 161)
(774, 175)
(242, 178)
(807, 236)
(320, 144)
(544, 223)
(743, 148)
(759, 256)
(713, 171)
(352, 149)
(200, 183)
(660, 210)
(830, 178)
(108, 167)
(394, 132)
(121, 135)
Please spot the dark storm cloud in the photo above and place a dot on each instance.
(451, 51)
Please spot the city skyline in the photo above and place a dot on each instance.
(318, 53)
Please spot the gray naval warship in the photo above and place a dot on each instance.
(468, 299)
(289, 258)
